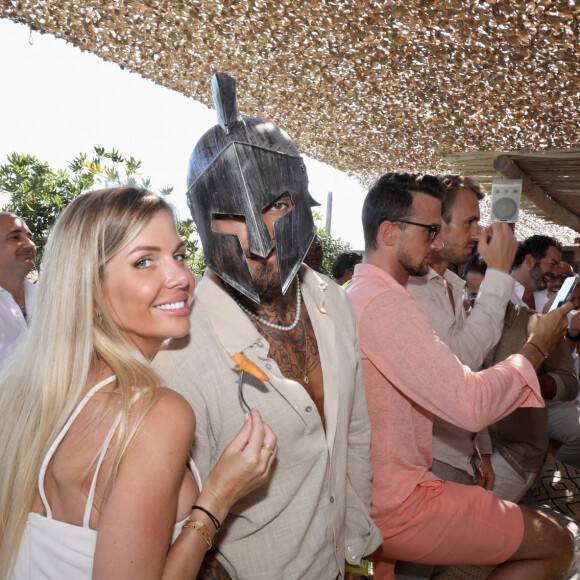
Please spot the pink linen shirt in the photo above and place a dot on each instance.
(410, 375)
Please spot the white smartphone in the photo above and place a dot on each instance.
(564, 292)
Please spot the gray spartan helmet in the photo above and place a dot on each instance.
(240, 167)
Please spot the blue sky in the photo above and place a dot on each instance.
(57, 101)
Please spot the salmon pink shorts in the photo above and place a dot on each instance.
(450, 523)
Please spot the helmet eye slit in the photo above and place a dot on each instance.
(218, 220)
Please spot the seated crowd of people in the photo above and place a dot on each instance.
(271, 422)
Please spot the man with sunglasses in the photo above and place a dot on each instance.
(410, 376)
(459, 455)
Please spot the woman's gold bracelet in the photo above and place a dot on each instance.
(200, 528)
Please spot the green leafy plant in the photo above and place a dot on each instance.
(188, 233)
(38, 193)
(331, 246)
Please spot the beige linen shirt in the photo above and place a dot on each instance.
(470, 338)
(315, 510)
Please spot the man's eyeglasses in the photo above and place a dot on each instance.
(433, 230)
(561, 277)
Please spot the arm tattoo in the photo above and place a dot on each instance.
(211, 569)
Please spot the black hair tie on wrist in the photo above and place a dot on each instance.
(572, 338)
(213, 519)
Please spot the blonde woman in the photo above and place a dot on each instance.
(94, 451)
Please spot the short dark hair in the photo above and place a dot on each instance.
(475, 264)
(343, 262)
(451, 185)
(536, 246)
(391, 198)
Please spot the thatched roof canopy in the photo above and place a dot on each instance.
(364, 86)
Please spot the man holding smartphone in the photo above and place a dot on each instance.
(460, 455)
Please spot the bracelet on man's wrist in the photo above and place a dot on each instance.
(572, 338)
(538, 349)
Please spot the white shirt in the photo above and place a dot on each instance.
(470, 338)
(540, 297)
(12, 321)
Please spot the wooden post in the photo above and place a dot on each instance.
(328, 212)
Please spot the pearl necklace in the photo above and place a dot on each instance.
(267, 322)
(305, 378)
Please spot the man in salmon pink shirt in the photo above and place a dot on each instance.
(411, 376)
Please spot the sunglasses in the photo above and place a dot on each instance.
(433, 230)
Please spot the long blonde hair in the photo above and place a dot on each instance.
(47, 375)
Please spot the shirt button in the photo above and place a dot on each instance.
(268, 366)
(331, 499)
(260, 343)
(308, 409)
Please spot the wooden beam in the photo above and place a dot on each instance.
(508, 169)
(556, 154)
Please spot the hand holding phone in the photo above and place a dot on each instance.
(497, 246)
(565, 292)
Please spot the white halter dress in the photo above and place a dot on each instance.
(55, 550)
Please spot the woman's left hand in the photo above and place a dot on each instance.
(244, 465)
